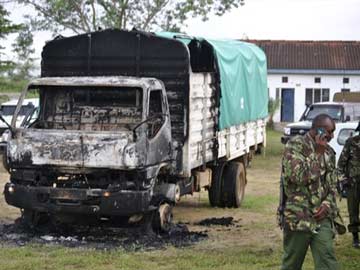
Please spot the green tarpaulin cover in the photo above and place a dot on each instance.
(243, 75)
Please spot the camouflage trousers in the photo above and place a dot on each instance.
(296, 244)
(353, 202)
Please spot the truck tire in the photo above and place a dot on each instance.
(234, 185)
(215, 188)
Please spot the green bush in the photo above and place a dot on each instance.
(9, 85)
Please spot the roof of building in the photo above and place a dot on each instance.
(325, 55)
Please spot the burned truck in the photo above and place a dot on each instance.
(131, 121)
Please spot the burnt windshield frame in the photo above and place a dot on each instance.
(77, 98)
(106, 96)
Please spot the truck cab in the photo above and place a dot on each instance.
(95, 139)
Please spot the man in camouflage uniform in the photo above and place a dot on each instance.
(309, 180)
(349, 169)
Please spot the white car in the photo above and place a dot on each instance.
(28, 113)
(342, 132)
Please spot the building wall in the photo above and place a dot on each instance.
(300, 82)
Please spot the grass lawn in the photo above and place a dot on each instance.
(256, 244)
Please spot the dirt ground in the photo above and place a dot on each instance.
(254, 224)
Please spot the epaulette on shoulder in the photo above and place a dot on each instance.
(296, 140)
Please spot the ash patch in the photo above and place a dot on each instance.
(100, 237)
(223, 221)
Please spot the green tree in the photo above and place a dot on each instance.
(273, 105)
(6, 27)
(23, 47)
(89, 15)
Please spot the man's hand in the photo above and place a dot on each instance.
(321, 213)
(343, 187)
(321, 143)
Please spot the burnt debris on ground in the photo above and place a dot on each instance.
(99, 237)
(223, 221)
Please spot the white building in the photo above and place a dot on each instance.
(305, 72)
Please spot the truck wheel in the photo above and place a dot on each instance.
(215, 189)
(162, 218)
(234, 185)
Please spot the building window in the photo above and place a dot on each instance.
(325, 95)
(309, 96)
(345, 90)
(284, 79)
(313, 95)
(317, 80)
(317, 95)
(346, 80)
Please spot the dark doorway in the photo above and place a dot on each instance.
(287, 105)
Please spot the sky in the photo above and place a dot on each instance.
(260, 19)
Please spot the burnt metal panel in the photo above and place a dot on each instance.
(127, 53)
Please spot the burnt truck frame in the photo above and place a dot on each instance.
(126, 135)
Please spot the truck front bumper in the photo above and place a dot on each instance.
(96, 202)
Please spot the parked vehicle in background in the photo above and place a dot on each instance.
(131, 121)
(26, 115)
(342, 132)
(344, 111)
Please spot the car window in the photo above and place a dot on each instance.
(8, 110)
(344, 134)
(333, 111)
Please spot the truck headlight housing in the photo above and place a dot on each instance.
(287, 131)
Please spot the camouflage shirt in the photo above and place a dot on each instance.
(349, 161)
(309, 181)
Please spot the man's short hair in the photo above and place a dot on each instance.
(320, 119)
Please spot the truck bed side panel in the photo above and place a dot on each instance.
(229, 143)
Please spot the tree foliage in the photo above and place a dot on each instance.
(23, 48)
(273, 106)
(6, 27)
(89, 15)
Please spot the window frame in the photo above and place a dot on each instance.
(317, 80)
